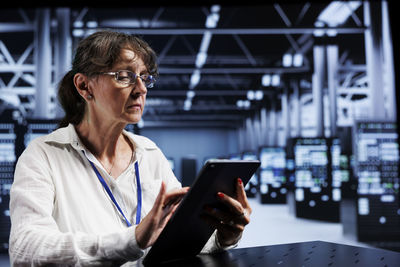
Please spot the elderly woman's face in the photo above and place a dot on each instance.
(116, 100)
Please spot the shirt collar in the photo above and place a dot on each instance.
(65, 135)
(68, 135)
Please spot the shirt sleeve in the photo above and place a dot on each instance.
(35, 238)
(168, 175)
(213, 245)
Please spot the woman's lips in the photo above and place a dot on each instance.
(135, 106)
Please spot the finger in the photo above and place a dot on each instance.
(225, 227)
(241, 193)
(227, 217)
(174, 197)
(167, 212)
(161, 196)
(233, 205)
(242, 198)
(172, 202)
(177, 193)
(240, 190)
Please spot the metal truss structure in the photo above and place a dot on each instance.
(213, 59)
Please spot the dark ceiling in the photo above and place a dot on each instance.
(247, 42)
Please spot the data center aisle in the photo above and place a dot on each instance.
(273, 224)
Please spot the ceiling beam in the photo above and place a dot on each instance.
(15, 27)
(195, 117)
(191, 124)
(167, 93)
(167, 70)
(238, 31)
(208, 108)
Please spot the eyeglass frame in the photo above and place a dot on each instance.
(116, 73)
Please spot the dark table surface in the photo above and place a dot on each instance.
(304, 254)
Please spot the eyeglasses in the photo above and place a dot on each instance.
(128, 77)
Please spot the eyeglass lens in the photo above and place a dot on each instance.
(130, 77)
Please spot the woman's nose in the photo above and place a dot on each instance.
(140, 86)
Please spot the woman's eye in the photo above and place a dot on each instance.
(123, 78)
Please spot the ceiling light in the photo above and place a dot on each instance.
(250, 95)
(194, 79)
(297, 60)
(287, 60)
(205, 42)
(91, 24)
(266, 80)
(212, 20)
(318, 33)
(337, 12)
(331, 32)
(259, 95)
(78, 24)
(276, 80)
(201, 59)
(215, 8)
(77, 33)
(190, 94)
(246, 104)
(239, 103)
(187, 104)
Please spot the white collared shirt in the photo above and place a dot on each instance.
(60, 212)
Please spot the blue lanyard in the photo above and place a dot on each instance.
(110, 194)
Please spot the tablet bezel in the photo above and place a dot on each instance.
(186, 234)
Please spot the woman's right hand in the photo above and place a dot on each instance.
(165, 205)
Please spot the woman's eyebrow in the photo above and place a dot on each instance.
(134, 68)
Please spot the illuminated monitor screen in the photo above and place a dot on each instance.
(36, 128)
(339, 171)
(311, 163)
(273, 164)
(7, 163)
(377, 158)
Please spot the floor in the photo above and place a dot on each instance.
(274, 224)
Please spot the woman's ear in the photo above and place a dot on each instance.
(81, 85)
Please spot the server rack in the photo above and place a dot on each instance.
(317, 178)
(272, 177)
(8, 159)
(375, 216)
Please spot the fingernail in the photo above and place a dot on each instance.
(240, 181)
(220, 195)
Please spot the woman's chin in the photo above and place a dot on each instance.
(133, 119)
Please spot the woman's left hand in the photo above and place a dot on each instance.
(230, 222)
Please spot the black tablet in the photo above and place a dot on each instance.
(186, 233)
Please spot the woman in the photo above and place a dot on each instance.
(91, 193)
